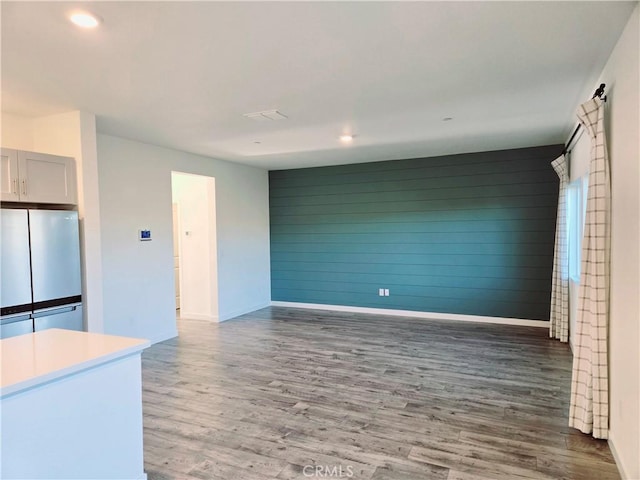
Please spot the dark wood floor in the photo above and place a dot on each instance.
(280, 392)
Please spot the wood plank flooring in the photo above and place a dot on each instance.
(287, 393)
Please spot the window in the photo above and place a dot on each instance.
(576, 209)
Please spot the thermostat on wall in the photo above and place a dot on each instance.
(144, 235)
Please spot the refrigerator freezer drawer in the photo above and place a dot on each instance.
(69, 318)
(11, 327)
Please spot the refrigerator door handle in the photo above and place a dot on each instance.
(56, 310)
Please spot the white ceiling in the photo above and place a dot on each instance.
(181, 74)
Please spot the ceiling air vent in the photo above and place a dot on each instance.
(265, 116)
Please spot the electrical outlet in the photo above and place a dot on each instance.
(386, 292)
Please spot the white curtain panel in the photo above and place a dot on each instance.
(589, 408)
(559, 317)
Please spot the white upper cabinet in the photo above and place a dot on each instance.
(37, 178)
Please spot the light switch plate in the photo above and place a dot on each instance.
(144, 235)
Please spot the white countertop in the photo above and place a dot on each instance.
(36, 358)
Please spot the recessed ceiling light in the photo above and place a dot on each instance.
(447, 119)
(346, 138)
(84, 19)
(257, 142)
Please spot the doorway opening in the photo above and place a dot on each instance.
(195, 246)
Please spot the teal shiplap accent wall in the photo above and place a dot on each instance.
(468, 234)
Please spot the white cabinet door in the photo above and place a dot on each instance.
(9, 175)
(46, 178)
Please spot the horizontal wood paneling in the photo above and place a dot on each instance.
(443, 213)
(469, 234)
(414, 248)
(507, 273)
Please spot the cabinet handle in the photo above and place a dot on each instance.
(24, 186)
(15, 186)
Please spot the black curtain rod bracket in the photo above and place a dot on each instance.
(600, 92)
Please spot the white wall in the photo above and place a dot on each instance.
(16, 132)
(135, 192)
(70, 134)
(195, 197)
(621, 74)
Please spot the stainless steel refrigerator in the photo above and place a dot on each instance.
(40, 271)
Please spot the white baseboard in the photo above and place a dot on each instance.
(616, 456)
(414, 314)
(241, 311)
(198, 316)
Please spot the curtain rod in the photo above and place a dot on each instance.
(598, 93)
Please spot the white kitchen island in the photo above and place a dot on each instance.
(71, 406)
